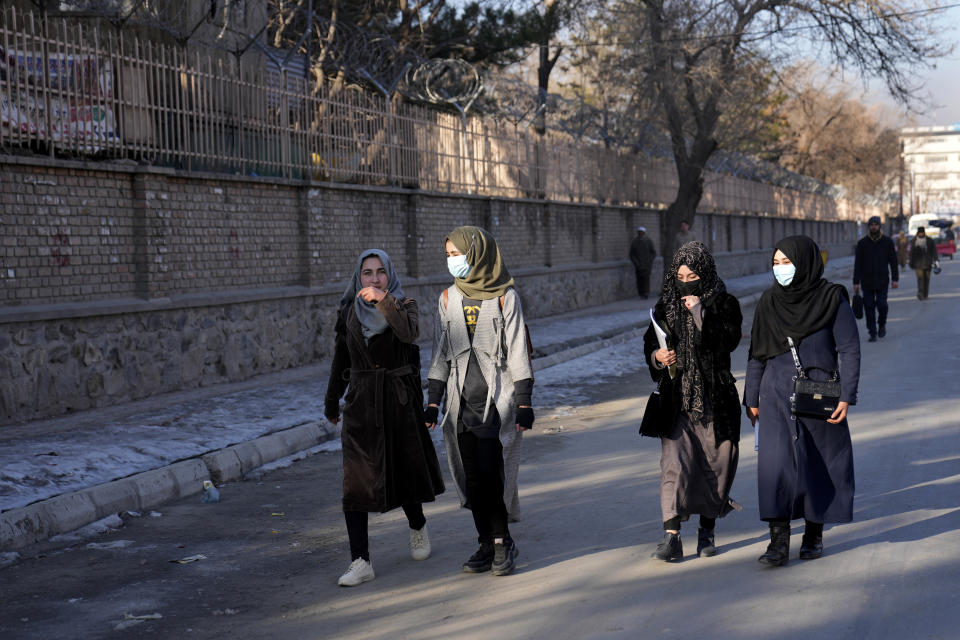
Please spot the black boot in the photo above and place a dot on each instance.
(705, 544)
(669, 549)
(811, 546)
(778, 551)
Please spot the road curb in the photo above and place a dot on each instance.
(70, 511)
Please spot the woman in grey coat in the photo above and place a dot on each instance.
(480, 361)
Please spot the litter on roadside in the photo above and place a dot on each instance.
(190, 559)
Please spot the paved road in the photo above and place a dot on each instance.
(589, 491)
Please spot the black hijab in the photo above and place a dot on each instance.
(680, 321)
(804, 306)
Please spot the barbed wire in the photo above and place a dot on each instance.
(378, 61)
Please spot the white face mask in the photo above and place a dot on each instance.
(784, 273)
(457, 266)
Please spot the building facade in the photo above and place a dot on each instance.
(931, 170)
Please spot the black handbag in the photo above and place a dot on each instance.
(658, 416)
(812, 398)
(857, 304)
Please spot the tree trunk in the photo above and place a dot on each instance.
(683, 207)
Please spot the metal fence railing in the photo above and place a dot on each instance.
(76, 88)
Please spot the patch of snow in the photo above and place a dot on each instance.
(8, 557)
(92, 530)
(115, 544)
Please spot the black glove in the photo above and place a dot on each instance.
(525, 417)
(430, 415)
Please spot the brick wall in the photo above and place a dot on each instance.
(119, 281)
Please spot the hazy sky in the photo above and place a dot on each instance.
(943, 82)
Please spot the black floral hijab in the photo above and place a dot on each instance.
(680, 321)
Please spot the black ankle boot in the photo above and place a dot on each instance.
(778, 551)
(811, 547)
(705, 544)
(669, 549)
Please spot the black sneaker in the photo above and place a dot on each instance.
(504, 557)
(873, 338)
(882, 331)
(669, 549)
(480, 561)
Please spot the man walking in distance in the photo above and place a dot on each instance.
(875, 254)
(923, 257)
(642, 253)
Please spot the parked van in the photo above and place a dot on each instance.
(923, 220)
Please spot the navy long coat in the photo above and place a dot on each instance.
(805, 465)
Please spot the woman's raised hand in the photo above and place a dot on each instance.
(371, 294)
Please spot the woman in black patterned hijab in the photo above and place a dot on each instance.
(699, 428)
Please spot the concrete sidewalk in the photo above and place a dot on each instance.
(61, 474)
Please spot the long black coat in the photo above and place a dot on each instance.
(875, 263)
(388, 457)
(720, 335)
(805, 465)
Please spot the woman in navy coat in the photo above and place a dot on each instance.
(805, 465)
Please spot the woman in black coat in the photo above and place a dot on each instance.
(804, 465)
(388, 458)
(699, 438)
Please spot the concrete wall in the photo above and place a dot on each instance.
(119, 282)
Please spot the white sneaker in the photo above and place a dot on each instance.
(360, 571)
(419, 543)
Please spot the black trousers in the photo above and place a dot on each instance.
(357, 528)
(874, 304)
(483, 467)
(643, 282)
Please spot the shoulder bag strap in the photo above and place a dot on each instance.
(796, 358)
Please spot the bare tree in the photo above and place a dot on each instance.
(831, 134)
(692, 53)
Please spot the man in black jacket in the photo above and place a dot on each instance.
(875, 254)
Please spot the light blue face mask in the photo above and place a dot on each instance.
(784, 273)
(457, 266)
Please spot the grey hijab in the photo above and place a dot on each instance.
(371, 320)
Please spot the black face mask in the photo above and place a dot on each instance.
(691, 288)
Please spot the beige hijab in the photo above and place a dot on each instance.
(488, 277)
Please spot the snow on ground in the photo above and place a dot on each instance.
(41, 466)
(557, 387)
